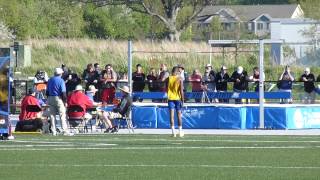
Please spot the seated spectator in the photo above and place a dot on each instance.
(184, 77)
(240, 79)
(77, 97)
(309, 87)
(29, 99)
(285, 83)
(138, 79)
(91, 92)
(195, 80)
(121, 110)
(222, 79)
(108, 81)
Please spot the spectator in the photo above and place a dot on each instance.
(122, 109)
(184, 77)
(309, 87)
(97, 68)
(91, 92)
(90, 76)
(163, 75)
(240, 79)
(195, 80)
(57, 97)
(285, 83)
(65, 70)
(72, 81)
(77, 97)
(40, 83)
(222, 79)
(138, 79)
(108, 81)
(255, 78)
(29, 99)
(208, 80)
(152, 78)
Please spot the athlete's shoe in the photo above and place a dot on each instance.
(181, 134)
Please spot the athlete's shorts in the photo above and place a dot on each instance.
(175, 104)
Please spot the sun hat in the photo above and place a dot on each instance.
(224, 68)
(125, 89)
(208, 65)
(239, 69)
(78, 88)
(92, 88)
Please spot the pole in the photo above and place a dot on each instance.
(130, 65)
(261, 84)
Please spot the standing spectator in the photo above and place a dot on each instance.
(222, 79)
(184, 77)
(108, 81)
(40, 83)
(255, 78)
(208, 80)
(309, 87)
(175, 99)
(163, 75)
(285, 83)
(57, 97)
(195, 80)
(240, 79)
(152, 78)
(138, 79)
(72, 81)
(90, 76)
(65, 70)
(97, 68)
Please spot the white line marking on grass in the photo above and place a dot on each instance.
(23, 148)
(161, 165)
(180, 140)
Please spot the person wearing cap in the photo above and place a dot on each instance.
(121, 110)
(57, 98)
(138, 78)
(91, 92)
(285, 83)
(29, 99)
(208, 80)
(175, 99)
(309, 87)
(77, 97)
(240, 79)
(222, 79)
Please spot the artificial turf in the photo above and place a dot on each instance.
(160, 157)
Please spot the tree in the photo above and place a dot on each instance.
(167, 11)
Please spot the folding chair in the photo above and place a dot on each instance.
(75, 121)
(127, 118)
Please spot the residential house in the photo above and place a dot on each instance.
(254, 18)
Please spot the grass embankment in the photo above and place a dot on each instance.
(76, 54)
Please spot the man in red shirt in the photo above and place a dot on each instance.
(29, 99)
(77, 97)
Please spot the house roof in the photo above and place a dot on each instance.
(250, 12)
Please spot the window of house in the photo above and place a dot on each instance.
(260, 26)
(268, 26)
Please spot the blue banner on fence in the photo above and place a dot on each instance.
(4, 94)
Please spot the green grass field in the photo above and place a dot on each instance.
(160, 157)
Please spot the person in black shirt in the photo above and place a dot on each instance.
(222, 79)
(240, 79)
(72, 81)
(138, 79)
(308, 79)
